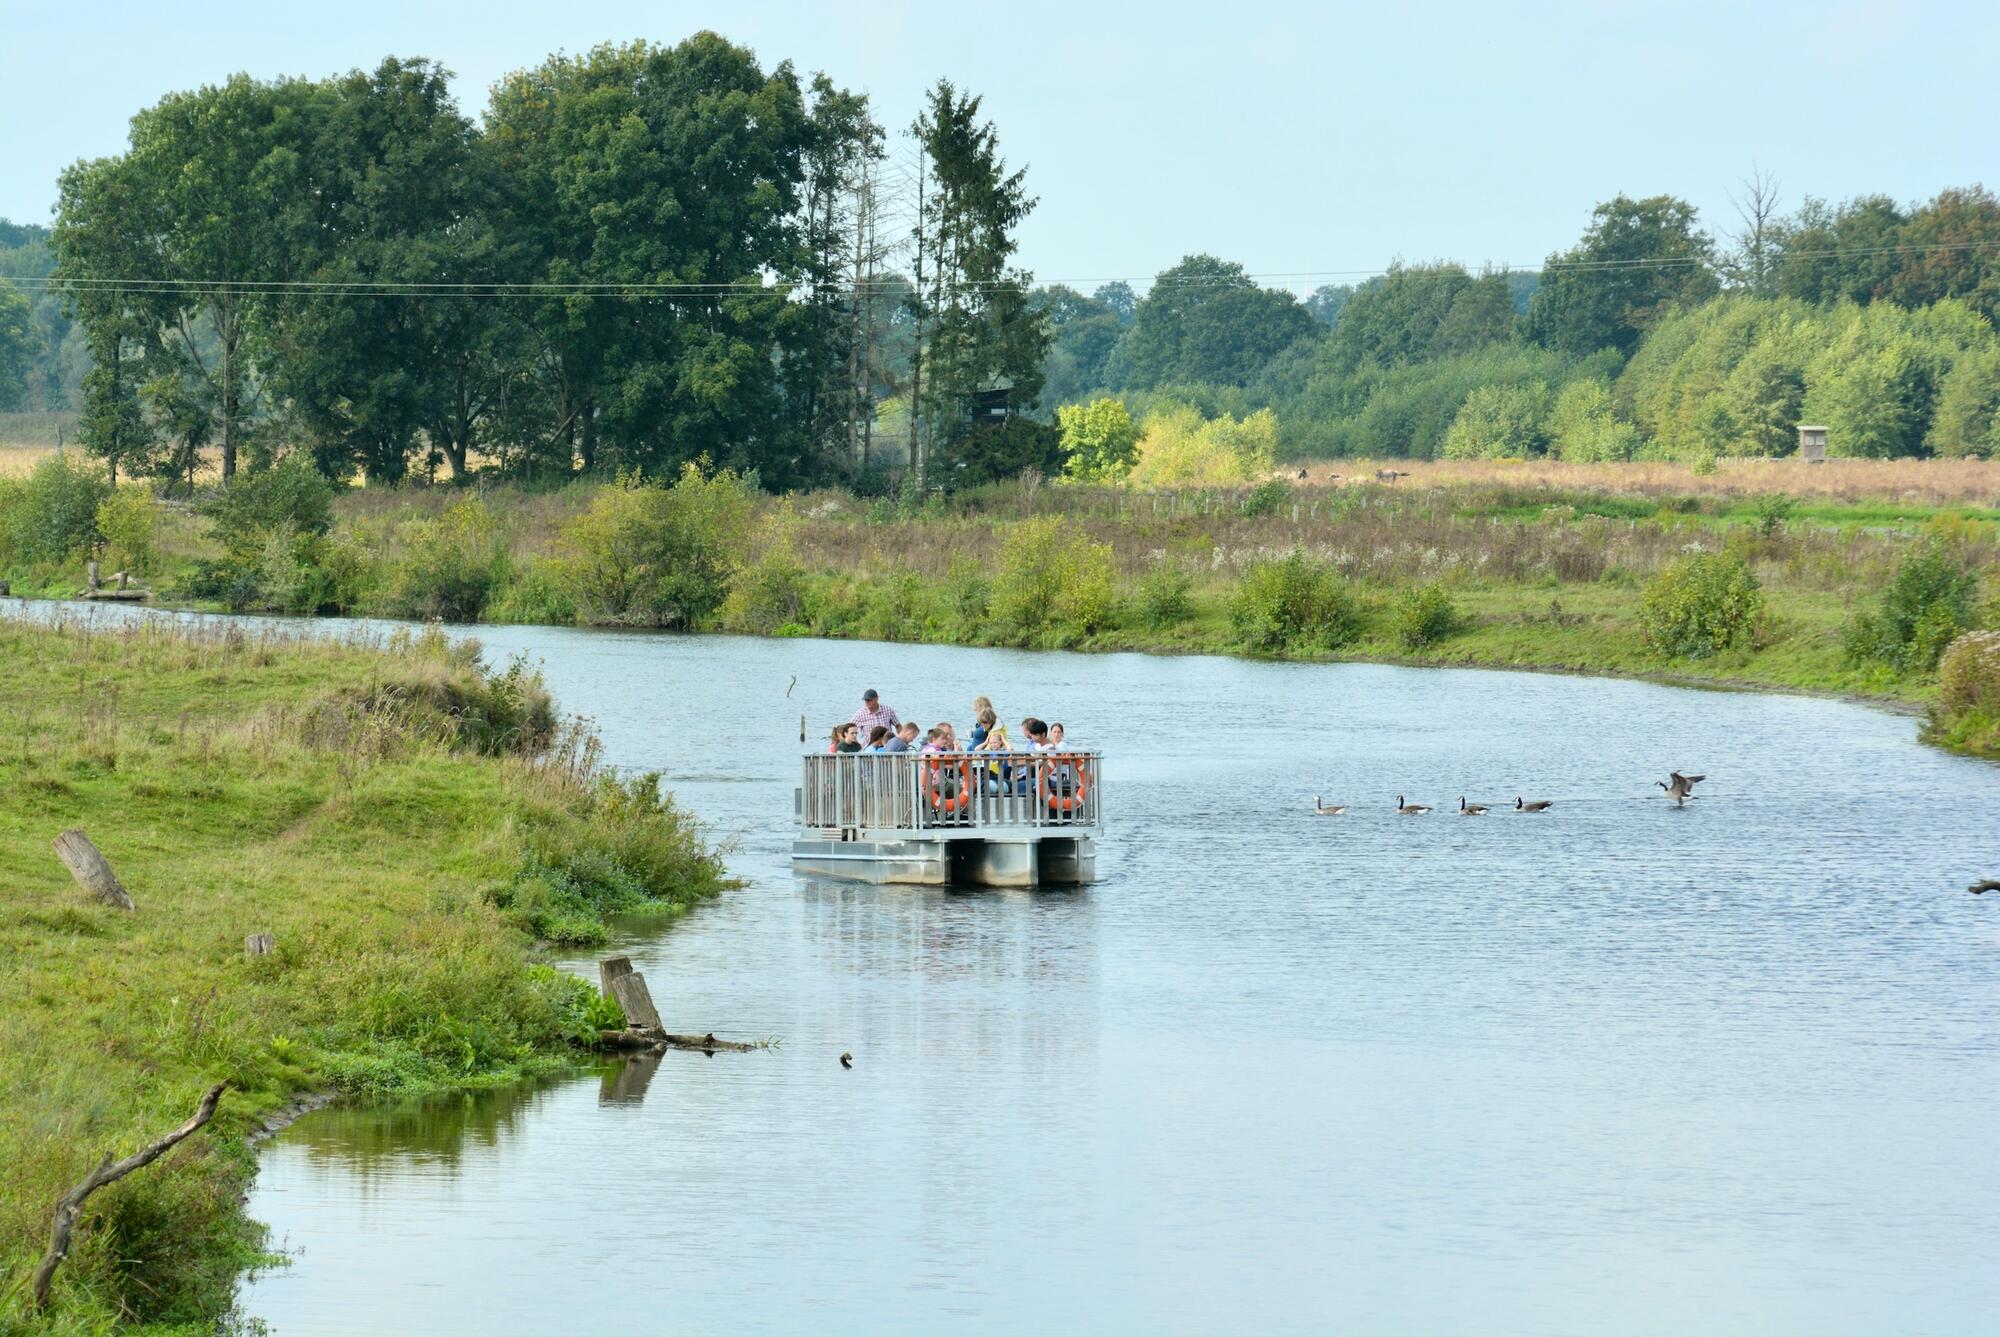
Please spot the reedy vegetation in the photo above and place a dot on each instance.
(403, 820)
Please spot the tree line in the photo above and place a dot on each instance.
(646, 255)
(638, 256)
(1648, 335)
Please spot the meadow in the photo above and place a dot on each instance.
(408, 822)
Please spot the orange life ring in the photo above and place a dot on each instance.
(1071, 801)
(935, 777)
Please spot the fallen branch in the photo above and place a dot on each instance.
(109, 1171)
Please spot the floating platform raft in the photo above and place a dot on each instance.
(979, 819)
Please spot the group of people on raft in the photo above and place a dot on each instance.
(876, 728)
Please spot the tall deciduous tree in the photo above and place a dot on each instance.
(674, 172)
(1206, 320)
(1637, 260)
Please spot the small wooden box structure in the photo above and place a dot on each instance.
(1812, 444)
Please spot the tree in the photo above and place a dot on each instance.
(369, 372)
(826, 354)
(983, 333)
(1752, 264)
(1100, 440)
(1637, 260)
(1326, 302)
(1205, 321)
(20, 344)
(1826, 253)
(670, 178)
(1085, 331)
(1951, 248)
(1119, 297)
(1419, 313)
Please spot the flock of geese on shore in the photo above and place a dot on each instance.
(1679, 788)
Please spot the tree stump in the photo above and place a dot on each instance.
(260, 944)
(90, 869)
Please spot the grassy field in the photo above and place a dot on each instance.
(405, 822)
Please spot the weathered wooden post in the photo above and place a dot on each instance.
(628, 987)
(90, 575)
(260, 944)
(91, 869)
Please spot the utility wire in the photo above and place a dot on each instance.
(638, 289)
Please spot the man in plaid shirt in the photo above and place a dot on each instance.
(872, 713)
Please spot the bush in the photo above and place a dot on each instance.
(1930, 602)
(52, 517)
(1099, 440)
(1164, 594)
(1772, 509)
(650, 556)
(1966, 714)
(1052, 577)
(452, 565)
(534, 592)
(254, 505)
(767, 596)
(1179, 448)
(1701, 605)
(1296, 603)
(127, 519)
(1267, 498)
(1424, 617)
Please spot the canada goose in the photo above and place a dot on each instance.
(1470, 809)
(1980, 888)
(847, 1060)
(1681, 790)
(1539, 805)
(1409, 809)
(1325, 811)
(1686, 780)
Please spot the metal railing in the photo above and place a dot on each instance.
(902, 791)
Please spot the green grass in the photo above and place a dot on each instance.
(339, 796)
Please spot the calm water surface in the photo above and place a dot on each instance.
(1616, 1069)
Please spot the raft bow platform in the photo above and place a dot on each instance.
(937, 819)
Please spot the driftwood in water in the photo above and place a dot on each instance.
(91, 869)
(260, 944)
(108, 1171)
(642, 1038)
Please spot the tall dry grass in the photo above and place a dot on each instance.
(1965, 482)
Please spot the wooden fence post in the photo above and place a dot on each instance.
(91, 869)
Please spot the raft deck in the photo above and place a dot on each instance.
(950, 818)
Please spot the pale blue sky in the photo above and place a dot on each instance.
(1293, 137)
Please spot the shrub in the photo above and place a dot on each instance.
(1180, 448)
(1099, 439)
(1164, 594)
(1772, 509)
(1966, 714)
(534, 592)
(968, 594)
(53, 515)
(127, 519)
(452, 564)
(644, 555)
(1294, 603)
(1929, 602)
(1052, 577)
(1425, 616)
(1267, 498)
(291, 492)
(768, 595)
(1701, 605)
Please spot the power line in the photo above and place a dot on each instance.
(677, 288)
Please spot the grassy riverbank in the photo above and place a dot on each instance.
(1492, 563)
(405, 821)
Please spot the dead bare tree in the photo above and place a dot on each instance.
(70, 1205)
(1754, 260)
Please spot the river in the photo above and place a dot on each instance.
(1618, 1068)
